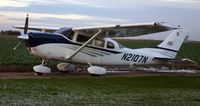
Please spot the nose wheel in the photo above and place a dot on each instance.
(41, 69)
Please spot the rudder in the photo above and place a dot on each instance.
(174, 40)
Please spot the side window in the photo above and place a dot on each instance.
(99, 43)
(110, 45)
(82, 38)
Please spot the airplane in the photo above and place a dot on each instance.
(94, 46)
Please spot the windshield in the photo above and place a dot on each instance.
(67, 32)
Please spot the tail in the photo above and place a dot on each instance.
(173, 42)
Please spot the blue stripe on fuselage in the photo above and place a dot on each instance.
(36, 39)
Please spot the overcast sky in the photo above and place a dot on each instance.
(72, 13)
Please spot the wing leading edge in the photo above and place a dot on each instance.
(38, 28)
(126, 30)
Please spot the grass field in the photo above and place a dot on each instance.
(21, 57)
(153, 91)
(146, 90)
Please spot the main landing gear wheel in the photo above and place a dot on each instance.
(66, 67)
(96, 71)
(41, 69)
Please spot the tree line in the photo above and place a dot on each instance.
(10, 32)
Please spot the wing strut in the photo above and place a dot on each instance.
(79, 49)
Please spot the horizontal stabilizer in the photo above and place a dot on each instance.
(182, 61)
(164, 59)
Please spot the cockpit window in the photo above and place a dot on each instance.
(66, 32)
(110, 45)
(82, 38)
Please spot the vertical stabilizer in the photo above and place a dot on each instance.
(171, 45)
(174, 40)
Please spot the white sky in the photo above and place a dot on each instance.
(70, 13)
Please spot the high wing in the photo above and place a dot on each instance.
(38, 28)
(126, 30)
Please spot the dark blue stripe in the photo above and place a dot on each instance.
(36, 39)
(165, 49)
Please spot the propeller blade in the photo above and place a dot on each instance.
(26, 25)
(17, 45)
(25, 36)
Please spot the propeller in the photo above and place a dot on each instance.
(17, 45)
(25, 32)
(26, 25)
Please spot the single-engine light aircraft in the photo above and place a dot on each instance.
(95, 46)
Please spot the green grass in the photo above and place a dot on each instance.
(21, 57)
(153, 91)
(148, 90)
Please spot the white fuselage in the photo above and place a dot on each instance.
(121, 56)
(104, 51)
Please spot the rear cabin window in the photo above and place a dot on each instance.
(120, 45)
(99, 43)
(110, 45)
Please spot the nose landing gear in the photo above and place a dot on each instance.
(41, 69)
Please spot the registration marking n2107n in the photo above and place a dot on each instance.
(134, 58)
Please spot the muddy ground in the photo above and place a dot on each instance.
(24, 72)
(29, 75)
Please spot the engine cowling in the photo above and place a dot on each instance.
(96, 70)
